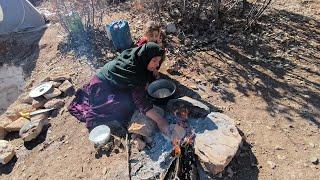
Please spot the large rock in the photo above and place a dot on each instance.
(32, 129)
(13, 111)
(39, 102)
(66, 87)
(6, 152)
(54, 103)
(197, 109)
(16, 125)
(141, 124)
(55, 92)
(55, 84)
(4, 121)
(217, 141)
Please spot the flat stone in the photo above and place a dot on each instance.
(217, 141)
(4, 120)
(37, 117)
(60, 77)
(55, 92)
(32, 129)
(66, 87)
(25, 98)
(14, 109)
(54, 103)
(38, 102)
(141, 124)
(11, 114)
(197, 109)
(6, 152)
(55, 84)
(16, 125)
(152, 163)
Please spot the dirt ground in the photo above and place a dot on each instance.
(268, 82)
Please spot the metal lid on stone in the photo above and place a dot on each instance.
(40, 90)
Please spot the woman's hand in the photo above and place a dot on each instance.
(161, 122)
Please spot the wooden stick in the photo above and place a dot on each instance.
(128, 156)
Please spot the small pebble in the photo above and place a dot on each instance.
(272, 164)
(312, 145)
(278, 148)
(105, 170)
(314, 160)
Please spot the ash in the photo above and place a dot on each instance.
(153, 162)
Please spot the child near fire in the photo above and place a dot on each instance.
(153, 33)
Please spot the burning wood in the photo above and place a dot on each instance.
(185, 165)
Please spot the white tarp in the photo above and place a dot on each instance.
(18, 15)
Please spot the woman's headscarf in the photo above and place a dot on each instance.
(129, 69)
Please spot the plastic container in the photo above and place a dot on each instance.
(119, 33)
(100, 135)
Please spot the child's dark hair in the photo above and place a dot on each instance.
(152, 26)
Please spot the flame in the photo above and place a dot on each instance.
(176, 147)
(182, 113)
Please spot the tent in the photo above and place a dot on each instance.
(19, 15)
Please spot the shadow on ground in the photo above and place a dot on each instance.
(278, 61)
(183, 90)
(40, 138)
(7, 168)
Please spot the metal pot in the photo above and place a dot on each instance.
(161, 84)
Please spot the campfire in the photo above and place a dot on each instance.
(199, 142)
(185, 165)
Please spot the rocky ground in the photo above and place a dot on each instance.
(267, 81)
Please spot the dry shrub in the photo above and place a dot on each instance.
(195, 14)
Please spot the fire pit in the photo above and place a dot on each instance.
(195, 146)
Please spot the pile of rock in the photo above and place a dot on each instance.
(17, 117)
(216, 142)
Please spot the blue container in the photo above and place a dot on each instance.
(119, 33)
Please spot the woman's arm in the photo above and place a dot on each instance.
(140, 100)
(161, 122)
